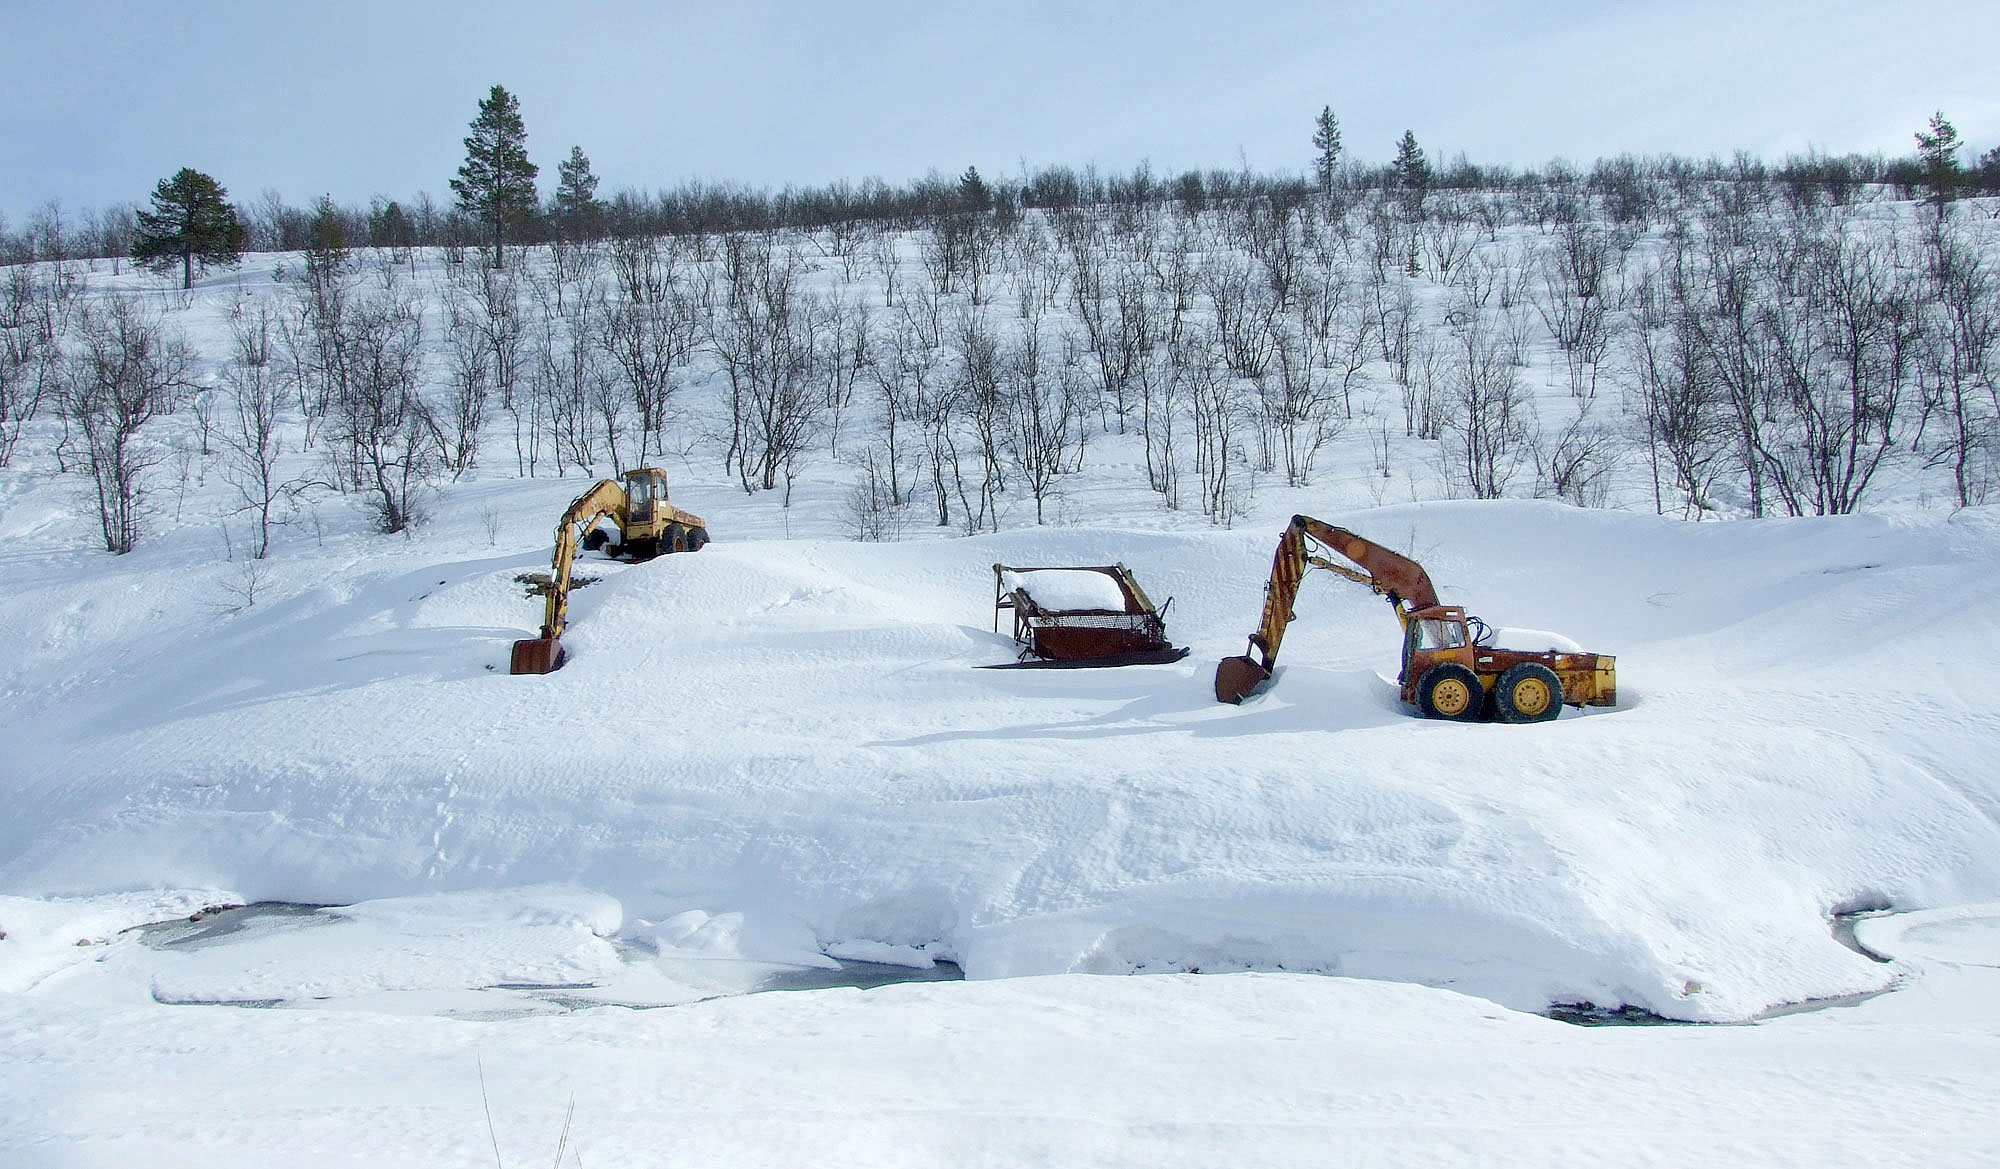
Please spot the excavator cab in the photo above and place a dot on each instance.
(1426, 640)
(1435, 633)
(651, 526)
(642, 487)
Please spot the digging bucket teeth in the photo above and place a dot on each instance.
(537, 655)
(1236, 677)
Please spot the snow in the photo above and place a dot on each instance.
(774, 758)
(1534, 639)
(461, 941)
(1064, 589)
(792, 732)
(777, 754)
(1169, 1070)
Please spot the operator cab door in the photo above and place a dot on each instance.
(642, 490)
(1430, 640)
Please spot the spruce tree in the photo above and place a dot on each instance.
(1413, 173)
(973, 193)
(190, 226)
(497, 183)
(577, 208)
(1938, 150)
(326, 243)
(389, 226)
(1326, 140)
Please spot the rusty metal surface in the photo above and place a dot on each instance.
(1138, 633)
(1152, 657)
(1058, 640)
(536, 655)
(1236, 677)
(1579, 673)
(1393, 575)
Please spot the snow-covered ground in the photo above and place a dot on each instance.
(776, 756)
(1063, 1069)
(778, 753)
(794, 731)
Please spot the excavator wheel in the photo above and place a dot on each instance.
(674, 539)
(1451, 691)
(1527, 693)
(595, 538)
(696, 538)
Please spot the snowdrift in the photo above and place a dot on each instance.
(791, 731)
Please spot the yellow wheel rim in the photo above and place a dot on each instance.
(1451, 697)
(1531, 696)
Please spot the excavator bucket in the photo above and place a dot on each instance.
(537, 655)
(1236, 677)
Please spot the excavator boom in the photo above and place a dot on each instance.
(605, 499)
(1402, 580)
(1451, 668)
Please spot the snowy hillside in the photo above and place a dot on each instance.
(794, 731)
(778, 756)
(774, 752)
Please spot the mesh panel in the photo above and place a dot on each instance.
(1147, 624)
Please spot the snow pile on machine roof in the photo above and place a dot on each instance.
(1068, 588)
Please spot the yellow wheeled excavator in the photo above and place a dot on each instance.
(648, 526)
(1451, 670)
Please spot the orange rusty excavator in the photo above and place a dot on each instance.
(1450, 668)
(648, 526)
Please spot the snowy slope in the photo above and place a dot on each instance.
(793, 731)
(1142, 1072)
(776, 757)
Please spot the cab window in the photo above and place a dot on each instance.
(1435, 634)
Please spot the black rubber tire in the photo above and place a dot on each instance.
(1527, 693)
(674, 539)
(595, 538)
(1450, 691)
(697, 538)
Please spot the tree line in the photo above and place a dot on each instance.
(496, 190)
(1737, 341)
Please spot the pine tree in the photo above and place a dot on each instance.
(973, 194)
(577, 208)
(497, 183)
(1326, 140)
(1413, 171)
(389, 226)
(1938, 150)
(190, 226)
(1413, 174)
(326, 243)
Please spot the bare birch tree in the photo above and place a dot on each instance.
(125, 371)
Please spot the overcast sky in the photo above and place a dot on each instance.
(357, 99)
